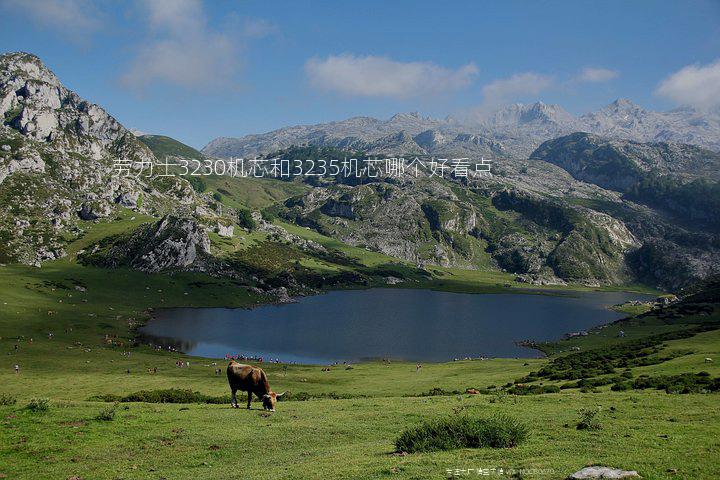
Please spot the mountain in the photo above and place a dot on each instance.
(674, 177)
(60, 156)
(513, 131)
(619, 164)
(568, 214)
(623, 119)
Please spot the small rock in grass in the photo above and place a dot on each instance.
(603, 472)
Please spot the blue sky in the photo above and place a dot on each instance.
(195, 70)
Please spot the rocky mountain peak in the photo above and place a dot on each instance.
(27, 65)
(406, 116)
(34, 102)
(60, 151)
(519, 114)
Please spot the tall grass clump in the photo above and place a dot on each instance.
(107, 414)
(38, 405)
(462, 431)
(6, 399)
(589, 420)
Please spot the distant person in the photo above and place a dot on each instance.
(418, 367)
(17, 369)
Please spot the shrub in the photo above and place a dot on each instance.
(38, 405)
(197, 183)
(588, 419)
(245, 219)
(107, 414)
(439, 392)
(533, 389)
(461, 431)
(621, 387)
(7, 399)
(682, 383)
(268, 216)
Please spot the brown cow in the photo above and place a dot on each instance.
(251, 380)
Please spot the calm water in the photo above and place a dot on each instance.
(416, 325)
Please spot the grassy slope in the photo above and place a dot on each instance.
(252, 193)
(315, 439)
(163, 146)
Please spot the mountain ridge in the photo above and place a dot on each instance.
(516, 129)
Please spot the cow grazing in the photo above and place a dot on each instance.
(252, 380)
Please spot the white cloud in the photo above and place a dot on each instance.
(259, 28)
(74, 19)
(182, 49)
(372, 76)
(521, 84)
(695, 85)
(591, 74)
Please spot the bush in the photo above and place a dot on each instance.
(682, 383)
(588, 419)
(38, 405)
(621, 387)
(197, 183)
(268, 216)
(245, 219)
(7, 399)
(439, 392)
(462, 432)
(533, 389)
(107, 414)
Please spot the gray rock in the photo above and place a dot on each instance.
(596, 472)
(94, 211)
(129, 200)
(225, 230)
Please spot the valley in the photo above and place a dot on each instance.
(619, 202)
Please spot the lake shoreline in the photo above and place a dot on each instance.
(594, 311)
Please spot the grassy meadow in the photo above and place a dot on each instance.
(348, 419)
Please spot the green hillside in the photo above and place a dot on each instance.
(163, 146)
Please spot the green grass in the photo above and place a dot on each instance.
(252, 193)
(354, 438)
(163, 146)
(462, 431)
(350, 438)
(92, 312)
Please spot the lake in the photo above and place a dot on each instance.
(414, 325)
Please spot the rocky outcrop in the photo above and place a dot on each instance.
(173, 243)
(225, 230)
(60, 164)
(620, 165)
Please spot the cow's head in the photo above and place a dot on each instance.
(270, 400)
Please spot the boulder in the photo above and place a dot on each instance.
(129, 200)
(603, 472)
(225, 230)
(93, 212)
